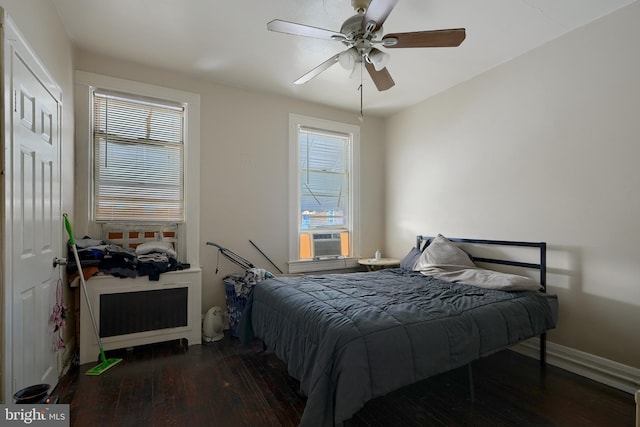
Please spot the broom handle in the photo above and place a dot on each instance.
(67, 225)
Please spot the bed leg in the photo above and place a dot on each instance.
(543, 349)
(472, 395)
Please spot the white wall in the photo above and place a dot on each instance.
(545, 147)
(243, 168)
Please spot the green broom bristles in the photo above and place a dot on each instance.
(104, 364)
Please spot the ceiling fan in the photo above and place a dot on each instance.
(362, 34)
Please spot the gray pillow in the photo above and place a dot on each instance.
(410, 259)
(442, 251)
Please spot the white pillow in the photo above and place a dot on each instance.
(442, 251)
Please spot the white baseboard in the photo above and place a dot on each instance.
(614, 374)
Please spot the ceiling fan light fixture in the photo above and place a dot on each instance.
(356, 73)
(348, 58)
(378, 58)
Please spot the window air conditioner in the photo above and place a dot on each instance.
(327, 245)
(324, 244)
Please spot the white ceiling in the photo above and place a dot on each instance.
(226, 42)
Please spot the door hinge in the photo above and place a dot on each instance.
(15, 101)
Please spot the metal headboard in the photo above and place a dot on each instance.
(541, 266)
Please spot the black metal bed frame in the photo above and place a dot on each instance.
(541, 266)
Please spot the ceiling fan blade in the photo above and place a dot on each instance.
(377, 13)
(382, 78)
(435, 38)
(303, 30)
(319, 69)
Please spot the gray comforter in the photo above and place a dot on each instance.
(349, 338)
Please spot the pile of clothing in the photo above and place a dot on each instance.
(244, 284)
(147, 259)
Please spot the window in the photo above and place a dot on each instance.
(137, 162)
(138, 158)
(323, 194)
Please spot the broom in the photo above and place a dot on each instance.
(104, 362)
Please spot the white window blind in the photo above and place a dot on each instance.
(324, 179)
(138, 159)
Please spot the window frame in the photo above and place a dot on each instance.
(188, 231)
(297, 265)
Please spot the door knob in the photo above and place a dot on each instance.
(59, 261)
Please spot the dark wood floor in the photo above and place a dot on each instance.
(226, 384)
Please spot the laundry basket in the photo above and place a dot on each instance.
(235, 303)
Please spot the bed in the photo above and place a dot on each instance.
(349, 338)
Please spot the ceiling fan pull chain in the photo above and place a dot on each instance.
(361, 89)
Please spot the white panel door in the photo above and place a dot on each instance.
(34, 208)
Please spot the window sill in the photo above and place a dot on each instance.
(309, 266)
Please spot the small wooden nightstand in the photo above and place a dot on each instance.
(373, 264)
